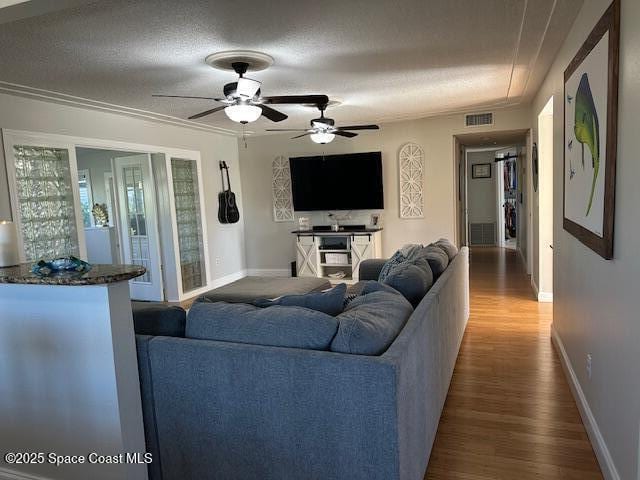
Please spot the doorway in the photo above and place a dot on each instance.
(117, 199)
(542, 276)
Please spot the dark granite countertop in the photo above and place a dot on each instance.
(98, 275)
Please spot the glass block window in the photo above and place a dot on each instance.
(189, 223)
(45, 201)
(137, 220)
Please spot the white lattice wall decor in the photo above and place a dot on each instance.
(281, 189)
(411, 176)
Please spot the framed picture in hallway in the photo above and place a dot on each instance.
(590, 132)
(481, 170)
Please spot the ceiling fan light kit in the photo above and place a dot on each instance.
(322, 137)
(243, 113)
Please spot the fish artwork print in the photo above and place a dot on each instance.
(587, 129)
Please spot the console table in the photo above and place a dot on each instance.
(322, 253)
(68, 372)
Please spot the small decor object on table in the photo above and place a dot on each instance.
(61, 266)
(481, 170)
(8, 244)
(100, 215)
(590, 135)
(304, 224)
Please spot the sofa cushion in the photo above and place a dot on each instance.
(412, 278)
(277, 326)
(370, 323)
(330, 302)
(449, 248)
(436, 257)
(156, 318)
(396, 259)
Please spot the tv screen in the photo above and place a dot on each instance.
(337, 182)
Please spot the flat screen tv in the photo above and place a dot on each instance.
(337, 182)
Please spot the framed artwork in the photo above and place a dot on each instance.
(481, 170)
(590, 132)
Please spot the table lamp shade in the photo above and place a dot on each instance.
(8, 244)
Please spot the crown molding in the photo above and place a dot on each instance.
(71, 100)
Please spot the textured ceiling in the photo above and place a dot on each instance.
(384, 60)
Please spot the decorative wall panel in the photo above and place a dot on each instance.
(281, 189)
(411, 177)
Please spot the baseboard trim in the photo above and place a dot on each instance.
(6, 474)
(269, 272)
(545, 297)
(232, 277)
(593, 431)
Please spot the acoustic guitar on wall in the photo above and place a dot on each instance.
(227, 207)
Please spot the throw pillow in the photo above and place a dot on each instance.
(412, 278)
(330, 302)
(371, 323)
(436, 257)
(277, 326)
(450, 249)
(397, 258)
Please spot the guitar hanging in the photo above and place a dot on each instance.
(227, 207)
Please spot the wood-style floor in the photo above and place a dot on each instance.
(509, 413)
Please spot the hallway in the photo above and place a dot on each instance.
(509, 413)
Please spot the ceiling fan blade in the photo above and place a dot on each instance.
(186, 96)
(273, 115)
(296, 99)
(247, 87)
(285, 130)
(300, 136)
(206, 112)
(345, 134)
(360, 127)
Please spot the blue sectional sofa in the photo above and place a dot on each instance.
(225, 410)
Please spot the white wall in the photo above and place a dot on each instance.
(271, 246)
(481, 192)
(226, 242)
(596, 300)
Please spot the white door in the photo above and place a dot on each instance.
(139, 226)
(307, 256)
(362, 248)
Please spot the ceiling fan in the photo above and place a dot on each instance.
(323, 129)
(243, 102)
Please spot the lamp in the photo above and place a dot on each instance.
(323, 137)
(243, 113)
(8, 244)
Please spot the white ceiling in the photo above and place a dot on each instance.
(385, 60)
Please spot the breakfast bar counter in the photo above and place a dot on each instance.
(68, 373)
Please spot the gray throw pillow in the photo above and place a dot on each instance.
(449, 248)
(330, 302)
(371, 323)
(436, 257)
(412, 278)
(277, 326)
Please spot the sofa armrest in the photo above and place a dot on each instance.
(370, 269)
(250, 411)
(156, 318)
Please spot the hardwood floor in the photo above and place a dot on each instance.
(509, 413)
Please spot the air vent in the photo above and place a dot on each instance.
(478, 119)
(482, 234)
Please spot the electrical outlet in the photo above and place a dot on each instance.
(589, 360)
(217, 261)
